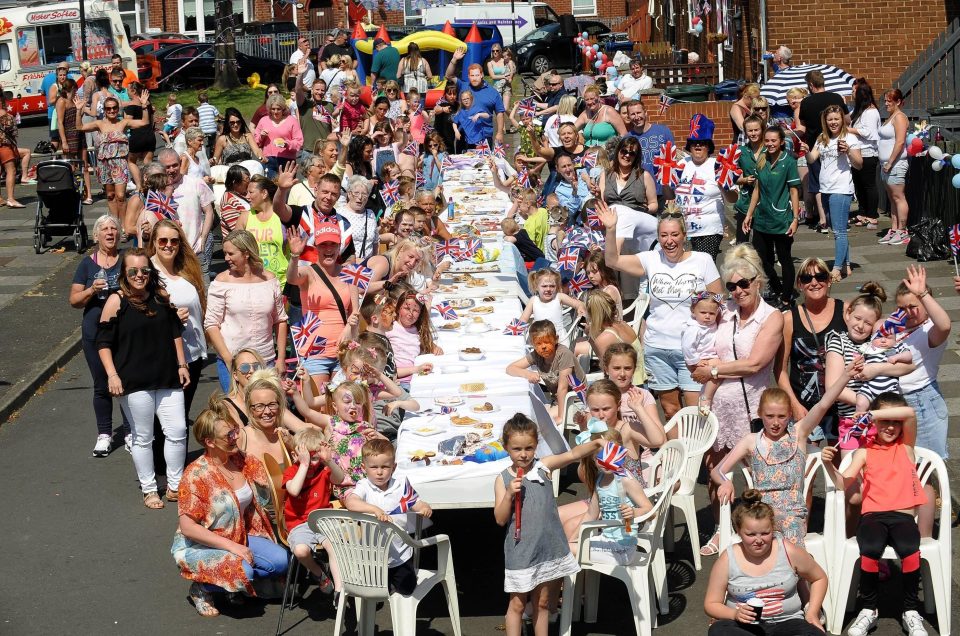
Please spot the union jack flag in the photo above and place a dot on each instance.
(665, 104)
(427, 129)
(567, 260)
(526, 108)
(412, 149)
(516, 327)
(483, 148)
(290, 366)
(589, 160)
(499, 150)
(611, 458)
(420, 179)
(579, 387)
(305, 337)
(858, 430)
(321, 114)
(448, 248)
(446, 311)
(580, 283)
(419, 109)
(726, 168)
(446, 164)
(523, 178)
(408, 499)
(469, 248)
(390, 192)
(893, 324)
(356, 274)
(162, 206)
(955, 239)
(596, 238)
(593, 219)
(669, 168)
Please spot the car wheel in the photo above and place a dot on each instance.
(540, 64)
(176, 83)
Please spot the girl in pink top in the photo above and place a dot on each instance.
(279, 135)
(411, 336)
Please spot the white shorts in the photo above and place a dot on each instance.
(637, 226)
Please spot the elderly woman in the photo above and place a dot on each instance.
(632, 191)
(236, 144)
(598, 121)
(427, 201)
(324, 294)
(141, 348)
(224, 539)
(234, 201)
(698, 195)
(194, 162)
(245, 306)
(363, 230)
(675, 274)
(96, 278)
(748, 337)
(801, 358)
(278, 135)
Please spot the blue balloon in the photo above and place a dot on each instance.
(698, 27)
(955, 161)
(598, 64)
(956, 180)
(584, 35)
(910, 138)
(596, 47)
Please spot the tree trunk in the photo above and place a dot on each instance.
(225, 51)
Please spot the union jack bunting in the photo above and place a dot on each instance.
(305, 337)
(446, 311)
(161, 205)
(611, 458)
(567, 260)
(665, 104)
(356, 274)
(390, 192)
(579, 387)
(408, 499)
(726, 168)
(516, 327)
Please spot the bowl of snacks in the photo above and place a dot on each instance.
(471, 354)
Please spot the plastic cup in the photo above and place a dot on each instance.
(756, 605)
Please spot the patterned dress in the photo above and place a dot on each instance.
(112, 158)
(778, 474)
(347, 440)
(207, 498)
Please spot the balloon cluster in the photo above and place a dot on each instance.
(697, 23)
(601, 61)
(941, 160)
(914, 145)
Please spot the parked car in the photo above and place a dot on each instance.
(174, 65)
(164, 35)
(544, 49)
(145, 46)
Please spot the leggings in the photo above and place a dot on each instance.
(738, 218)
(865, 186)
(899, 530)
(777, 247)
(102, 400)
(792, 627)
(707, 244)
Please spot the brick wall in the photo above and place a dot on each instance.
(678, 118)
(155, 10)
(876, 39)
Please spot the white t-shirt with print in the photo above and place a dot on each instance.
(835, 174)
(388, 500)
(700, 199)
(191, 196)
(631, 86)
(671, 286)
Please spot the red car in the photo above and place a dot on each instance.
(146, 69)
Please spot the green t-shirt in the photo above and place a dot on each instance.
(537, 225)
(385, 63)
(774, 213)
(747, 163)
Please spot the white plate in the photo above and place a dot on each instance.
(448, 400)
(461, 303)
(450, 369)
(427, 430)
(474, 328)
(471, 357)
(473, 406)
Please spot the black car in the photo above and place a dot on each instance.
(189, 65)
(544, 48)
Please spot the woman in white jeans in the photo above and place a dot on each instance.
(141, 348)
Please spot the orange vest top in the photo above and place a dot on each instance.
(890, 480)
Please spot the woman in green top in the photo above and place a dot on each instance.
(750, 152)
(775, 212)
(261, 221)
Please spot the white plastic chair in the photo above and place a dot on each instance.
(361, 545)
(551, 441)
(935, 552)
(638, 573)
(697, 433)
(639, 309)
(727, 535)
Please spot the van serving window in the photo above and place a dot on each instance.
(53, 43)
(5, 64)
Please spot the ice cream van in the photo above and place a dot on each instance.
(36, 35)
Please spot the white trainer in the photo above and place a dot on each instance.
(863, 623)
(102, 447)
(128, 443)
(913, 624)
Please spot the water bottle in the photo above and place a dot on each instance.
(450, 209)
(101, 275)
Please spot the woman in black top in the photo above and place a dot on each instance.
(629, 185)
(143, 141)
(142, 351)
(446, 107)
(801, 360)
(97, 276)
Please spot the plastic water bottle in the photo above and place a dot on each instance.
(450, 209)
(101, 275)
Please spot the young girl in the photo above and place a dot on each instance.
(777, 458)
(892, 495)
(433, 158)
(750, 152)
(379, 312)
(411, 336)
(556, 220)
(468, 124)
(538, 556)
(603, 278)
(547, 301)
(697, 339)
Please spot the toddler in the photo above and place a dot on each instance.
(556, 221)
(547, 299)
(883, 348)
(698, 338)
(174, 117)
(512, 233)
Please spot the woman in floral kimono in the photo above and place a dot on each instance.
(224, 539)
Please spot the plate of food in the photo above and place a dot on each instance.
(471, 354)
(449, 369)
(463, 420)
(448, 400)
(461, 303)
(427, 430)
(450, 326)
(484, 407)
(482, 309)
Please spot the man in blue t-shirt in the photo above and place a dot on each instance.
(486, 99)
(651, 137)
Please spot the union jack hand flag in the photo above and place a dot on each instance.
(420, 179)
(523, 178)
(579, 387)
(859, 428)
(597, 238)
(593, 219)
(408, 499)
(576, 237)
(161, 205)
(516, 327)
(356, 274)
(955, 239)
(446, 164)
(446, 311)
(669, 168)
(580, 283)
(665, 104)
(567, 260)
(448, 248)
(427, 129)
(419, 109)
(611, 458)
(526, 108)
(412, 149)
(305, 337)
(469, 247)
(390, 192)
(499, 150)
(726, 168)
(893, 324)
(589, 160)
(483, 148)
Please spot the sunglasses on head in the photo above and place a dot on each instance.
(743, 283)
(133, 271)
(172, 242)
(820, 277)
(249, 367)
(671, 215)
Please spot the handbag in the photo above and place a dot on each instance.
(756, 424)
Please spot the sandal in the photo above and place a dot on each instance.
(712, 546)
(152, 500)
(173, 496)
(14, 204)
(836, 276)
(202, 601)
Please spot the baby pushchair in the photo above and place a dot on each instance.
(59, 187)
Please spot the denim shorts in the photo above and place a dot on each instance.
(320, 366)
(932, 418)
(897, 175)
(667, 370)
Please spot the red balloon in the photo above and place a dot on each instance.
(603, 57)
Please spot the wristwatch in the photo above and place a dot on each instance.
(714, 372)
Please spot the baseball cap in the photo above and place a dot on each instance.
(327, 233)
(379, 41)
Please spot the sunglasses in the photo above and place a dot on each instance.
(260, 408)
(671, 215)
(133, 271)
(110, 109)
(743, 283)
(172, 242)
(247, 368)
(232, 434)
(116, 81)
(234, 122)
(628, 153)
(820, 277)
(557, 84)
(760, 109)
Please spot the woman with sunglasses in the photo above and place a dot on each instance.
(415, 70)
(179, 271)
(748, 336)
(262, 110)
(499, 70)
(244, 364)
(631, 188)
(279, 135)
(141, 347)
(236, 144)
(114, 146)
(761, 109)
(801, 358)
(675, 275)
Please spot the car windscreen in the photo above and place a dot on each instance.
(540, 34)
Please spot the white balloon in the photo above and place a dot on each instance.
(935, 152)
(937, 165)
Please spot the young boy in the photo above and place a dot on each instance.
(550, 364)
(379, 312)
(512, 233)
(174, 115)
(556, 221)
(208, 118)
(389, 499)
(308, 485)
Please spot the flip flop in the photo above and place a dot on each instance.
(202, 601)
(15, 204)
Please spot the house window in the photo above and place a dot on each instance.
(584, 7)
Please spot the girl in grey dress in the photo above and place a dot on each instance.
(535, 548)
